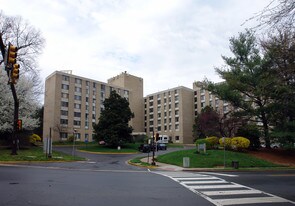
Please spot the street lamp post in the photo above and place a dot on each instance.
(74, 138)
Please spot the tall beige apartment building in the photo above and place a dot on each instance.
(73, 103)
(203, 98)
(170, 113)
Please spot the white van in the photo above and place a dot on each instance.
(163, 139)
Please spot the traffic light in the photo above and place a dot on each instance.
(19, 124)
(14, 75)
(11, 55)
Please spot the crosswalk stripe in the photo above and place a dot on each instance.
(231, 192)
(199, 187)
(196, 178)
(249, 200)
(209, 186)
(203, 182)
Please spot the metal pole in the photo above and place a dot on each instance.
(153, 148)
(223, 152)
(73, 153)
(50, 144)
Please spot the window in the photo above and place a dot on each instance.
(78, 81)
(77, 97)
(177, 127)
(77, 106)
(159, 101)
(64, 95)
(103, 87)
(63, 135)
(64, 113)
(176, 98)
(63, 121)
(78, 89)
(176, 119)
(65, 78)
(87, 83)
(65, 87)
(203, 97)
(151, 122)
(77, 114)
(87, 99)
(77, 123)
(176, 112)
(176, 105)
(93, 116)
(64, 104)
(151, 98)
(86, 137)
(159, 115)
(159, 128)
(77, 136)
(159, 121)
(176, 91)
(94, 85)
(86, 124)
(177, 138)
(151, 116)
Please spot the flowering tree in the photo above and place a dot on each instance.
(28, 104)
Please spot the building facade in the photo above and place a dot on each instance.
(73, 103)
(170, 113)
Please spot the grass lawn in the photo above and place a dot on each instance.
(213, 158)
(128, 148)
(35, 154)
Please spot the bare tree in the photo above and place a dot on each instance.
(29, 43)
(277, 14)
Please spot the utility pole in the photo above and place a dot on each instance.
(8, 68)
(153, 148)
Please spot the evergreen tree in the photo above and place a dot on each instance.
(247, 82)
(112, 126)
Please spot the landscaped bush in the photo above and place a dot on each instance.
(227, 142)
(70, 138)
(34, 138)
(240, 143)
(213, 141)
(204, 141)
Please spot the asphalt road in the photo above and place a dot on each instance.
(108, 180)
(22, 186)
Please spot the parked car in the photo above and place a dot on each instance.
(144, 148)
(161, 146)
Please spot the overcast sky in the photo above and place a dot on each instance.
(168, 43)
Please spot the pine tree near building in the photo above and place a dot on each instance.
(113, 127)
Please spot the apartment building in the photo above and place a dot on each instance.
(203, 98)
(170, 112)
(73, 103)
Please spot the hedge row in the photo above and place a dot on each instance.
(237, 143)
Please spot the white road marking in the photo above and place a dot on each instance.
(249, 200)
(196, 178)
(204, 182)
(200, 187)
(231, 192)
(220, 174)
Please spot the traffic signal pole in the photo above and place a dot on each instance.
(14, 137)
